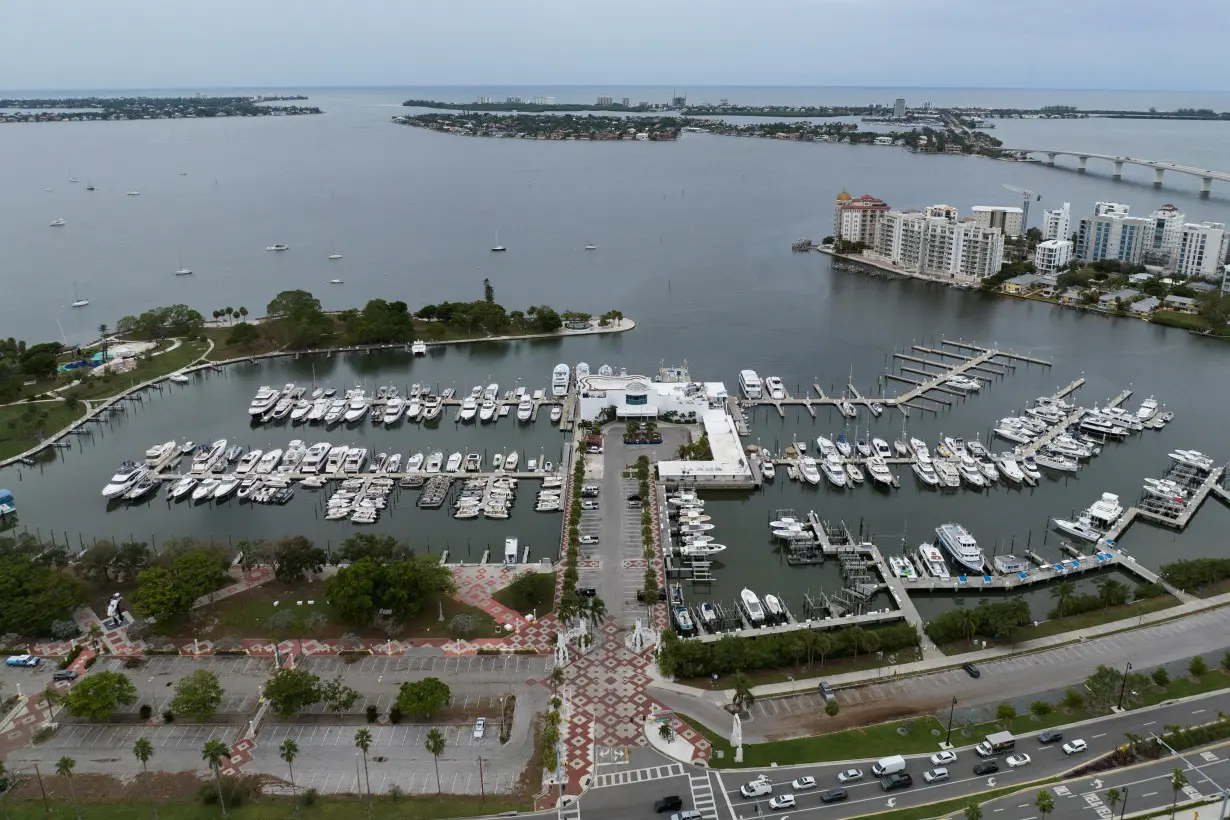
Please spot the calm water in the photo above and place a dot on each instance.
(693, 243)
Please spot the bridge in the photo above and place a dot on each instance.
(1159, 168)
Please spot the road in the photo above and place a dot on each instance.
(1102, 735)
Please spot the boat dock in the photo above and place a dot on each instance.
(1054, 430)
(1175, 516)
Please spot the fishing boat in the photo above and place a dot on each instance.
(901, 567)
(809, 471)
(708, 614)
(961, 546)
(699, 549)
(774, 611)
(469, 408)
(751, 606)
(1080, 528)
(932, 561)
(278, 247)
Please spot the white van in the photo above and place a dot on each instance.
(888, 765)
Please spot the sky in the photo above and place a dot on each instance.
(156, 44)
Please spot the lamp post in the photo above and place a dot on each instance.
(1123, 685)
(951, 709)
(1125, 797)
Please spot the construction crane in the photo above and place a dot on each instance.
(1026, 195)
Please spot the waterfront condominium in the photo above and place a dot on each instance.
(960, 250)
(1052, 256)
(1008, 218)
(856, 220)
(1111, 236)
(1057, 222)
(1202, 250)
(1162, 242)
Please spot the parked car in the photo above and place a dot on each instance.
(850, 775)
(593, 449)
(690, 814)
(588, 540)
(23, 660)
(589, 505)
(634, 497)
(986, 767)
(803, 783)
(1050, 736)
(943, 758)
(971, 670)
(480, 728)
(826, 691)
(587, 592)
(634, 505)
(64, 674)
(1074, 746)
(833, 795)
(1016, 761)
(782, 801)
(672, 803)
(937, 775)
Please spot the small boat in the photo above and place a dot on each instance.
(336, 282)
(57, 223)
(855, 473)
(510, 462)
(178, 378)
(454, 463)
(694, 549)
(557, 413)
(826, 446)
(876, 408)
(751, 607)
(708, 614)
(767, 470)
(591, 247)
(497, 461)
(497, 247)
(89, 187)
(187, 447)
(278, 247)
(900, 566)
(901, 448)
(881, 448)
(775, 612)
(248, 462)
(863, 448)
(78, 300)
(133, 193)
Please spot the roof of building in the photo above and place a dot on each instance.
(1144, 305)
(1203, 287)
(1055, 243)
(844, 196)
(1012, 209)
(724, 443)
(1137, 278)
(1026, 279)
(1180, 300)
(1122, 293)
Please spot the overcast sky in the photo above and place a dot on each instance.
(1086, 44)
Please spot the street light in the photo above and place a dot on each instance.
(1123, 685)
(951, 709)
(1125, 797)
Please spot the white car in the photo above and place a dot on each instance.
(480, 728)
(1074, 746)
(850, 775)
(589, 539)
(1015, 761)
(784, 801)
(589, 505)
(943, 758)
(803, 783)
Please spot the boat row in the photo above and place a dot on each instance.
(690, 527)
(359, 500)
(833, 467)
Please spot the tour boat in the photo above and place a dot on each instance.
(961, 546)
(933, 561)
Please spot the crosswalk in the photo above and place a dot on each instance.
(572, 811)
(621, 778)
(703, 799)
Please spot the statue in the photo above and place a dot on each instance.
(561, 651)
(736, 739)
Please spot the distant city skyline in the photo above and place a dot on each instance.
(1050, 44)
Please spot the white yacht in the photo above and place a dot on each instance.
(970, 473)
(809, 471)
(1080, 528)
(834, 470)
(964, 384)
(525, 408)
(511, 461)
(1148, 409)
(181, 488)
(559, 380)
(949, 475)
(767, 470)
(317, 413)
(264, 401)
(356, 406)
(1017, 435)
(414, 408)
(1102, 426)
(356, 458)
(1105, 511)
(158, 452)
(337, 409)
(557, 413)
(393, 410)
(855, 473)
(919, 448)
(433, 406)
(879, 471)
(434, 462)
(750, 384)
(269, 461)
(933, 561)
(129, 473)
(277, 247)
(1009, 469)
(414, 463)
(825, 446)
(248, 462)
(926, 473)
(204, 460)
(454, 463)
(846, 408)
(880, 447)
(843, 446)
(299, 413)
(337, 454)
(226, 486)
(57, 223)
(469, 408)
(961, 546)
(418, 348)
(1193, 458)
(315, 457)
(582, 370)
(487, 411)
(205, 489)
(751, 607)
(1056, 462)
(775, 388)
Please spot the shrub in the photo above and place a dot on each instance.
(42, 734)
(70, 657)
(1148, 591)
(134, 662)
(372, 714)
(310, 796)
(831, 708)
(1197, 667)
(65, 630)
(394, 715)
(145, 711)
(1160, 676)
(236, 791)
(91, 662)
(1073, 699)
(168, 716)
(1040, 709)
(1005, 712)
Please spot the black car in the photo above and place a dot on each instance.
(986, 767)
(586, 592)
(900, 780)
(640, 594)
(971, 670)
(1050, 736)
(634, 497)
(64, 674)
(672, 803)
(833, 795)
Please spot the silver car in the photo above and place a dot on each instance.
(850, 775)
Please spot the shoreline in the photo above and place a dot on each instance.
(203, 363)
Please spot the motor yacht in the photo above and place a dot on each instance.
(970, 473)
(454, 463)
(1017, 435)
(469, 408)
(433, 406)
(1054, 461)
(862, 447)
(356, 458)
(337, 409)
(378, 462)
(775, 388)
(314, 457)
(925, 471)
(751, 606)
(767, 470)
(181, 488)
(318, 410)
(880, 447)
(961, 546)
(1148, 409)
(511, 461)
(809, 470)
(963, 384)
(826, 446)
(847, 409)
(932, 560)
(487, 410)
(248, 462)
(919, 448)
(128, 474)
(948, 473)
(497, 461)
(525, 408)
(557, 413)
(473, 463)
(1105, 511)
(1102, 426)
(834, 471)
(282, 409)
(855, 473)
(159, 452)
(414, 463)
(1193, 458)
(435, 461)
(205, 489)
(902, 448)
(879, 471)
(393, 410)
(1030, 469)
(357, 406)
(264, 401)
(226, 486)
(560, 377)
(337, 455)
(1009, 469)
(268, 462)
(205, 459)
(1082, 528)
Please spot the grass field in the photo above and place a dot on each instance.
(106, 386)
(19, 431)
(222, 351)
(543, 595)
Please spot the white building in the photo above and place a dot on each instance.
(637, 397)
(1007, 218)
(856, 220)
(899, 108)
(1104, 208)
(1225, 279)
(1162, 242)
(1111, 236)
(1202, 250)
(729, 467)
(946, 211)
(1052, 256)
(933, 245)
(1057, 222)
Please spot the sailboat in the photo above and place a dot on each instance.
(182, 270)
(497, 247)
(334, 255)
(90, 187)
(77, 300)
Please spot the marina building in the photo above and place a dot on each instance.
(638, 397)
(856, 220)
(1008, 218)
(1052, 256)
(1202, 250)
(1111, 236)
(961, 250)
(1162, 242)
(1057, 222)
(728, 468)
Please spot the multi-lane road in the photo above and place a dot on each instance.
(716, 793)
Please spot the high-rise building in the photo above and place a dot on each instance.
(627, 102)
(1052, 255)
(1202, 250)
(605, 100)
(1162, 242)
(1103, 208)
(1057, 222)
(1111, 236)
(1008, 218)
(899, 108)
(855, 220)
(960, 250)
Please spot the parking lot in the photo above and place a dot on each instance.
(31, 680)
(108, 748)
(242, 678)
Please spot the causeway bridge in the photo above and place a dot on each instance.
(1159, 168)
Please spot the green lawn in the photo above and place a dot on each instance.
(222, 351)
(955, 808)
(1212, 681)
(541, 599)
(332, 808)
(19, 432)
(1171, 318)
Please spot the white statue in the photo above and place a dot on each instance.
(736, 739)
(561, 651)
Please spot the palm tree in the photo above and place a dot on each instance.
(1045, 804)
(824, 645)
(744, 697)
(557, 677)
(214, 752)
(230, 311)
(289, 751)
(973, 811)
(243, 313)
(1063, 592)
(102, 335)
(1113, 796)
(1112, 592)
(857, 636)
(64, 768)
(1178, 780)
(143, 750)
(597, 611)
(363, 740)
(970, 621)
(435, 745)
